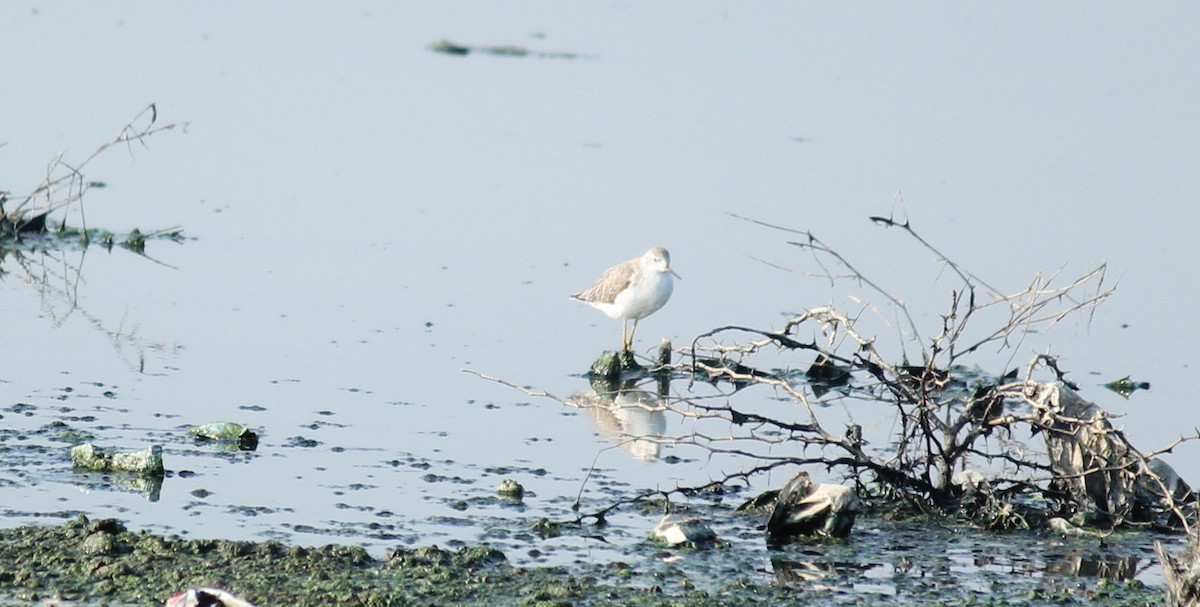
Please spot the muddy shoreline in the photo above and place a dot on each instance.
(101, 562)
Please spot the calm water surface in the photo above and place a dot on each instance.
(368, 218)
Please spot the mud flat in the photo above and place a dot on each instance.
(100, 562)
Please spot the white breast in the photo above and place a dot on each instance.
(648, 292)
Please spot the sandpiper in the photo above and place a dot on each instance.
(632, 290)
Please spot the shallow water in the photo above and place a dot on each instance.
(368, 217)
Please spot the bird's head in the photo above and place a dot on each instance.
(659, 260)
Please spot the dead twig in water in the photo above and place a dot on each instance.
(64, 182)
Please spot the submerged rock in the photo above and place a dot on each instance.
(502, 50)
(147, 462)
(450, 48)
(803, 509)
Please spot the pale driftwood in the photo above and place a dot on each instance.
(1181, 574)
(1094, 462)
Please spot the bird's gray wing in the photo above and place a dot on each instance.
(611, 282)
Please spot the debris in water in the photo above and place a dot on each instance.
(503, 50)
(147, 462)
(232, 432)
(1126, 386)
(1065, 528)
(803, 509)
(206, 597)
(511, 489)
(683, 530)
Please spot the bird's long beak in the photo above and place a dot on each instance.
(673, 273)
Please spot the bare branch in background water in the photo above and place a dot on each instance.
(41, 254)
(64, 183)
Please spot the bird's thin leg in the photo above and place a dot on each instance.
(631, 331)
(624, 332)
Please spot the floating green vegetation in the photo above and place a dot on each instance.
(62, 236)
(1126, 386)
(504, 50)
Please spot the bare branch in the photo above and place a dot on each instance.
(64, 182)
(949, 433)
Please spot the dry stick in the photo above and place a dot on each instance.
(525, 390)
(967, 277)
(75, 188)
(824, 438)
(588, 476)
(48, 181)
(817, 246)
(1038, 299)
(1024, 322)
(544, 394)
(1025, 316)
(781, 338)
(130, 133)
(705, 442)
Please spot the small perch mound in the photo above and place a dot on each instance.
(614, 368)
(611, 365)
